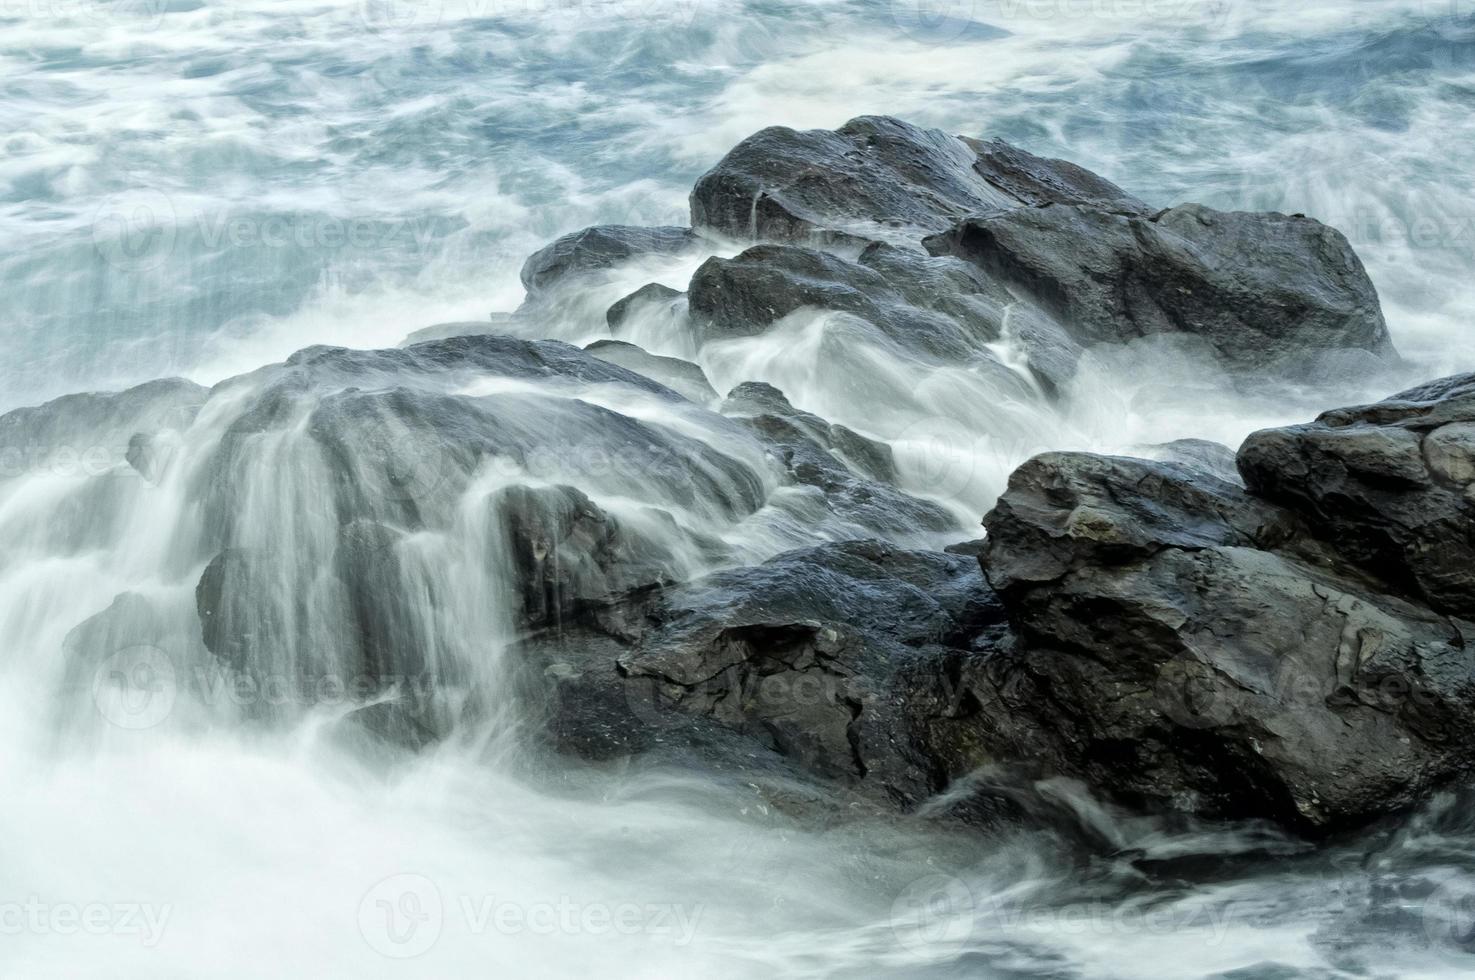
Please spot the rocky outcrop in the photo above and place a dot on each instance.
(842, 660)
(1263, 291)
(951, 249)
(1391, 483)
(1184, 642)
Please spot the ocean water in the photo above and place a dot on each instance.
(199, 188)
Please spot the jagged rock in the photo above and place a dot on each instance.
(683, 377)
(1183, 642)
(599, 248)
(841, 659)
(567, 554)
(1390, 483)
(1264, 291)
(877, 178)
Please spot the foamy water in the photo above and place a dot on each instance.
(200, 188)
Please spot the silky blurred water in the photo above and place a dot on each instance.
(199, 188)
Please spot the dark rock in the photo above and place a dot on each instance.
(1390, 483)
(1181, 642)
(841, 659)
(599, 248)
(936, 311)
(856, 475)
(651, 294)
(682, 377)
(1263, 290)
(567, 554)
(877, 178)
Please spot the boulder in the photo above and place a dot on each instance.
(1265, 292)
(877, 178)
(840, 659)
(652, 294)
(1392, 483)
(597, 249)
(1184, 643)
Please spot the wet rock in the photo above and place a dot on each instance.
(683, 377)
(651, 294)
(599, 248)
(876, 178)
(90, 433)
(567, 554)
(1390, 483)
(841, 659)
(1185, 643)
(1213, 458)
(1263, 290)
(856, 475)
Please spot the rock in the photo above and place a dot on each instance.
(1184, 643)
(90, 433)
(840, 659)
(1213, 458)
(567, 554)
(497, 323)
(1265, 291)
(854, 474)
(597, 249)
(1390, 483)
(877, 178)
(934, 311)
(682, 377)
(651, 294)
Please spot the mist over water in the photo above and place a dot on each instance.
(201, 189)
